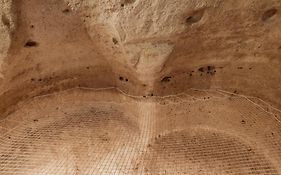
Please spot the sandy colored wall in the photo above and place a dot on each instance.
(142, 47)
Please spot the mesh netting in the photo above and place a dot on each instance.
(104, 132)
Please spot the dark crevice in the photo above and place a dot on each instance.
(269, 14)
(114, 40)
(125, 2)
(201, 69)
(66, 11)
(195, 17)
(5, 20)
(166, 79)
(31, 43)
(208, 69)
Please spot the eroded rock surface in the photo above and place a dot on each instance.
(6, 27)
(141, 47)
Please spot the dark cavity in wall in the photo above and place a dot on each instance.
(201, 69)
(125, 2)
(166, 79)
(123, 79)
(5, 20)
(66, 11)
(269, 14)
(114, 40)
(195, 17)
(208, 69)
(31, 43)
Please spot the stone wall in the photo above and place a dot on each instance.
(141, 47)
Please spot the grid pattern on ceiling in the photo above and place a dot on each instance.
(175, 137)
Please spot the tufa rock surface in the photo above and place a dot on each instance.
(141, 47)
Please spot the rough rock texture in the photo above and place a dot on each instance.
(82, 131)
(141, 47)
(6, 27)
(140, 87)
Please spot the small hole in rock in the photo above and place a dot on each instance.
(32, 26)
(201, 69)
(66, 11)
(166, 79)
(126, 79)
(195, 17)
(30, 43)
(5, 20)
(269, 14)
(121, 78)
(210, 68)
(127, 2)
(114, 40)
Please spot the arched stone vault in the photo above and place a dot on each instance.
(140, 87)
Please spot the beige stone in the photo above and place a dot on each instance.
(169, 75)
(6, 27)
